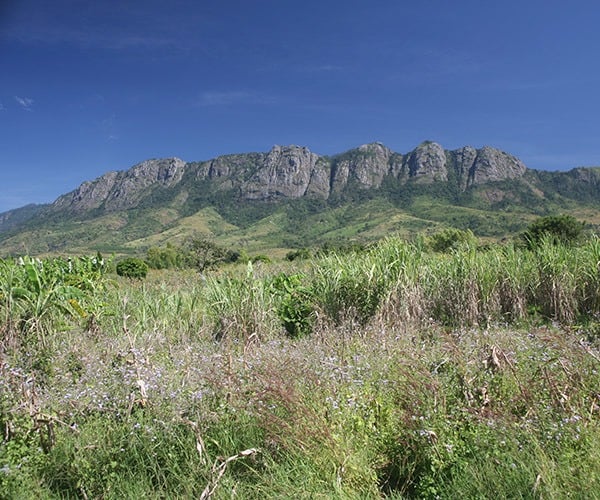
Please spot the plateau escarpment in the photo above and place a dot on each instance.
(122, 190)
(292, 172)
(291, 197)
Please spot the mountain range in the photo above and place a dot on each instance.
(290, 197)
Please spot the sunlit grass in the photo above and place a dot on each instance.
(471, 374)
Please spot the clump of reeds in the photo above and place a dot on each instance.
(457, 375)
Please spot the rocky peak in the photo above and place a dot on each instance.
(289, 159)
(365, 166)
(589, 175)
(290, 172)
(428, 162)
(164, 171)
(463, 160)
(377, 149)
(494, 165)
(89, 195)
(119, 190)
(150, 173)
(286, 173)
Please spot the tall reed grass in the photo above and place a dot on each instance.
(468, 374)
(461, 288)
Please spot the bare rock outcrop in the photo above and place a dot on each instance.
(89, 195)
(365, 166)
(286, 173)
(119, 190)
(132, 185)
(494, 165)
(292, 172)
(428, 163)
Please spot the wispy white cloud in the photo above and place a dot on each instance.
(231, 97)
(25, 102)
(98, 25)
(94, 39)
(108, 126)
(321, 68)
(222, 98)
(424, 64)
(2, 108)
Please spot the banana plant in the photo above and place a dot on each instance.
(38, 295)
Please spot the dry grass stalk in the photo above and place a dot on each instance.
(218, 470)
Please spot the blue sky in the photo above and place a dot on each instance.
(92, 86)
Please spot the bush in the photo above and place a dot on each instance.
(295, 304)
(451, 239)
(169, 257)
(261, 258)
(302, 253)
(206, 254)
(132, 268)
(563, 229)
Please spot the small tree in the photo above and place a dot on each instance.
(302, 253)
(165, 257)
(563, 229)
(205, 253)
(132, 267)
(451, 239)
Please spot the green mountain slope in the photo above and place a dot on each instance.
(290, 198)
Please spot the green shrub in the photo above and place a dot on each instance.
(563, 229)
(295, 309)
(168, 257)
(302, 253)
(451, 239)
(261, 258)
(205, 254)
(132, 267)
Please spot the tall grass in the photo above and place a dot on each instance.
(240, 308)
(469, 374)
(461, 288)
(155, 304)
(353, 287)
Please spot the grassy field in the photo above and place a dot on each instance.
(393, 372)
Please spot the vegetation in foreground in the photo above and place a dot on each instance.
(394, 371)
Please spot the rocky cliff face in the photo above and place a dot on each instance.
(491, 164)
(365, 167)
(428, 163)
(122, 190)
(290, 172)
(286, 172)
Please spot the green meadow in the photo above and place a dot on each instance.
(392, 370)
